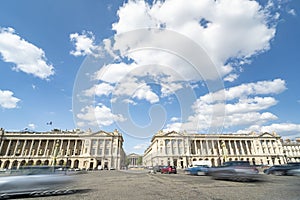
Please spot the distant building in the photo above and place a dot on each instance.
(74, 149)
(291, 149)
(181, 149)
(133, 160)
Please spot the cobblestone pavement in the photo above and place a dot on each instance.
(109, 185)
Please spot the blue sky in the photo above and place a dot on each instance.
(62, 61)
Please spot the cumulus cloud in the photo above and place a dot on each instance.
(229, 32)
(84, 44)
(283, 129)
(144, 92)
(100, 89)
(244, 105)
(226, 29)
(7, 100)
(98, 116)
(27, 57)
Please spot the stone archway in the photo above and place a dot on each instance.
(14, 164)
(30, 162)
(69, 163)
(76, 164)
(23, 163)
(39, 162)
(61, 162)
(6, 164)
(46, 162)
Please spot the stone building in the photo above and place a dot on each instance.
(181, 149)
(133, 160)
(291, 149)
(74, 149)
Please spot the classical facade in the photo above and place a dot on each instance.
(74, 149)
(133, 160)
(181, 149)
(291, 149)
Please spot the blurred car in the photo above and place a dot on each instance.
(32, 180)
(294, 172)
(235, 170)
(280, 170)
(197, 170)
(158, 168)
(168, 170)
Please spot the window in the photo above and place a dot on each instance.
(99, 151)
(93, 151)
(106, 151)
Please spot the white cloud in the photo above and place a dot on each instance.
(98, 116)
(230, 32)
(7, 100)
(85, 44)
(289, 130)
(284, 129)
(226, 29)
(144, 92)
(275, 86)
(292, 12)
(231, 77)
(245, 105)
(26, 56)
(31, 126)
(100, 89)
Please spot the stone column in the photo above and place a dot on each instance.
(23, 148)
(8, 147)
(220, 150)
(230, 148)
(46, 148)
(195, 147)
(60, 148)
(16, 147)
(201, 147)
(242, 148)
(207, 147)
(38, 149)
(68, 153)
(236, 148)
(247, 147)
(213, 147)
(75, 148)
(31, 146)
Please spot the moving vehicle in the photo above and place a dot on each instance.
(197, 170)
(168, 170)
(235, 170)
(158, 168)
(33, 180)
(280, 170)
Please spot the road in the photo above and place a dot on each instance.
(140, 185)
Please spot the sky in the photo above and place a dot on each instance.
(205, 66)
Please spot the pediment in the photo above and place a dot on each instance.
(268, 135)
(102, 133)
(173, 134)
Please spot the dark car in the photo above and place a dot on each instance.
(168, 170)
(280, 170)
(235, 170)
(158, 168)
(197, 170)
